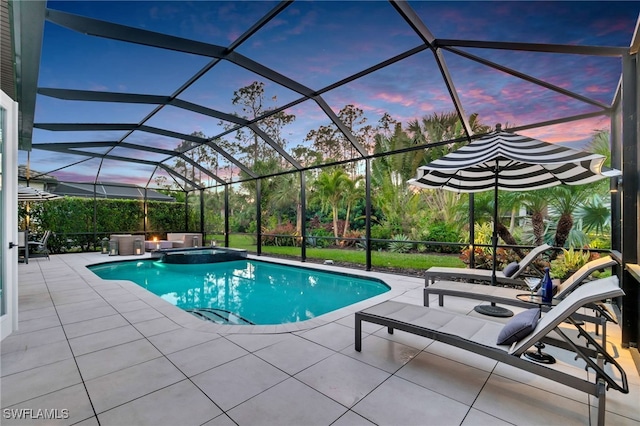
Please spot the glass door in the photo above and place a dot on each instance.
(8, 215)
(3, 113)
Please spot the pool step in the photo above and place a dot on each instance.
(219, 316)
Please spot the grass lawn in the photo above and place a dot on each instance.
(378, 258)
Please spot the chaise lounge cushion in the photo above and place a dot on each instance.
(521, 325)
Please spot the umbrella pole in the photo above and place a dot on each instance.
(493, 310)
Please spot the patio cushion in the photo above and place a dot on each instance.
(510, 269)
(519, 326)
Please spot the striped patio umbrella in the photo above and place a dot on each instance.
(510, 162)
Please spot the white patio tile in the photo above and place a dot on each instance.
(95, 325)
(333, 336)
(547, 385)
(254, 342)
(105, 361)
(61, 298)
(382, 353)
(156, 326)
(91, 421)
(179, 404)
(405, 338)
(28, 314)
(399, 402)
(626, 405)
(288, 403)
(38, 381)
(352, 419)
(449, 378)
(125, 385)
(235, 382)
(294, 354)
(342, 378)
(520, 404)
(461, 356)
(34, 356)
(176, 340)
(129, 305)
(478, 418)
(205, 356)
(23, 341)
(86, 314)
(71, 405)
(40, 323)
(140, 315)
(103, 339)
(221, 420)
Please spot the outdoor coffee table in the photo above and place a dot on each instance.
(151, 245)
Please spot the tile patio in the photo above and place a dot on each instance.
(111, 353)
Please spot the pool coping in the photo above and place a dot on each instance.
(398, 286)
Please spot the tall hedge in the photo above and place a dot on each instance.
(72, 220)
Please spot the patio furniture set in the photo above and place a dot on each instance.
(128, 244)
(526, 333)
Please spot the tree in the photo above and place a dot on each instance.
(198, 153)
(351, 192)
(328, 190)
(252, 101)
(337, 146)
(536, 203)
(286, 193)
(565, 199)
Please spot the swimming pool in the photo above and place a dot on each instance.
(259, 292)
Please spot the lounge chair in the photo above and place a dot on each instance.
(438, 272)
(479, 335)
(39, 248)
(506, 295)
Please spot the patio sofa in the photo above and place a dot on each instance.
(184, 239)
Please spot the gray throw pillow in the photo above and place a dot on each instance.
(521, 325)
(510, 269)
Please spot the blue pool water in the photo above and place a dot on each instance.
(260, 292)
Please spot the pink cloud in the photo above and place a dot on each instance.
(395, 98)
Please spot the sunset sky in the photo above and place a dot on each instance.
(318, 44)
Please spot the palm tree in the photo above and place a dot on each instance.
(536, 203)
(329, 187)
(565, 199)
(483, 208)
(351, 193)
(285, 194)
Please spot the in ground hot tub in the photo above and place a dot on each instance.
(194, 255)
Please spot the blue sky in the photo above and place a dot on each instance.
(318, 44)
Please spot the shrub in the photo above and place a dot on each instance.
(284, 235)
(351, 234)
(380, 232)
(313, 241)
(568, 262)
(442, 232)
(400, 245)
